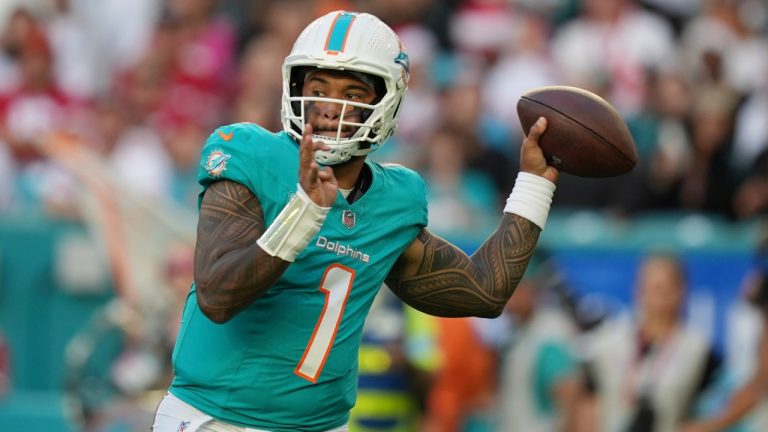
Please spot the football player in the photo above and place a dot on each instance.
(298, 230)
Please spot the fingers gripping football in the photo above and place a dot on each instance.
(532, 158)
(319, 183)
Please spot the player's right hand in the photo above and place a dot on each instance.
(319, 183)
(532, 158)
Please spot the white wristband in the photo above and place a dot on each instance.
(531, 198)
(294, 227)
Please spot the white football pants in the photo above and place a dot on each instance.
(175, 415)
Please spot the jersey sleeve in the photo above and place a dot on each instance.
(225, 156)
(247, 154)
(410, 192)
(421, 200)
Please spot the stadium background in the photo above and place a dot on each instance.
(104, 104)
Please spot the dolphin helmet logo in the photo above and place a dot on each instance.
(402, 60)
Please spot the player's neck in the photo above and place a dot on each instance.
(348, 173)
(353, 177)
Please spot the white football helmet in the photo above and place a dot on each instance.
(349, 41)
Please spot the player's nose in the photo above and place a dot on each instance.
(330, 110)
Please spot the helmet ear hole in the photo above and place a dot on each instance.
(379, 87)
(296, 83)
(295, 86)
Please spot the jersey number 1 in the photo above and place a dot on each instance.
(336, 285)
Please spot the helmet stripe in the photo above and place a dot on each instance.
(337, 35)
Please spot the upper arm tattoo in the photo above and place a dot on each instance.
(231, 271)
(447, 282)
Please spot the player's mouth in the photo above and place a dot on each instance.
(333, 132)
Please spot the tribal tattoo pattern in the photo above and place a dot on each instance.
(449, 283)
(226, 274)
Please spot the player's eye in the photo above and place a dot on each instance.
(318, 93)
(353, 96)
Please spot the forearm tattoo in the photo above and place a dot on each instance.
(231, 271)
(449, 283)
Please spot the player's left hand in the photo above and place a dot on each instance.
(532, 159)
(319, 183)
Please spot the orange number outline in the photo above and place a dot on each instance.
(336, 277)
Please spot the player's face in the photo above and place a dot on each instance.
(325, 116)
(661, 288)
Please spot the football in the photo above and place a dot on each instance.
(585, 134)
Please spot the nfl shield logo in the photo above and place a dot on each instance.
(348, 218)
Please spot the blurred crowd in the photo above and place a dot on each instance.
(124, 92)
(140, 84)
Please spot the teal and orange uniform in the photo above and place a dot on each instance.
(292, 355)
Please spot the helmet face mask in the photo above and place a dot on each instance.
(367, 48)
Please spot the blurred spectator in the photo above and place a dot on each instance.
(751, 132)
(170, 64)
(260, 83)
(110, 363)
(398, 360)
(469, 196)
(609, 47)
(556, 11)
(730, 30)
(677, 12)
(7, 179)
(525, 63)
(648, 370)
(271, 29)
(482, 28)
(396, 12)
(284, 20)
(663, 141)
(30, 112)
(136, 155)
(74, 52)
(120, 356)
(420, 111)
(749, 402)
(18, 28)
(140, 89)
(485, 143)
(708, 183)
(461, 397)
(121, 33)
(540, 381)
(182, 145)
(752, 194)
(35, 105)
(685, 140)
(202, 60)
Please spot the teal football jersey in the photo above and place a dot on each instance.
(289, 360)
